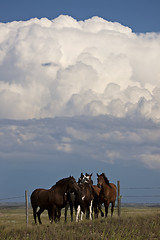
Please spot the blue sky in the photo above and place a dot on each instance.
(79, 92)
(141, 16)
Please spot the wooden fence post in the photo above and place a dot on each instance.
(119, 198)
(26, 204)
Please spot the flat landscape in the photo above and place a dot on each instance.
(134, 223)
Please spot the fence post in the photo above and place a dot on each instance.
(26, 204)
(119, 199)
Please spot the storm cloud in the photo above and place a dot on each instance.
(77, 96)
(65, 67)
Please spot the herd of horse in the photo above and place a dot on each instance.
(83, 196)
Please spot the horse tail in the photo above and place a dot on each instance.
(34, 197)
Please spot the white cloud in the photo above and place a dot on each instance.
(65, 67)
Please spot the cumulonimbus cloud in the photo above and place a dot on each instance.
(65, 67)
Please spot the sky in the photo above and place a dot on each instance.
(140, 16)
(80, 92)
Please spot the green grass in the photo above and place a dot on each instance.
(134, 223)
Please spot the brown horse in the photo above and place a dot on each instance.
(53, 199)
(108, 192)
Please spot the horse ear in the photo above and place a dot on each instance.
(81, 174)
(97, 175)
(91, 174)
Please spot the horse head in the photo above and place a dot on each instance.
(102, 179)
(80, 179)
(72, 185)
(85, 178)
(88, 178)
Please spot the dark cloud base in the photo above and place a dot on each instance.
(37, 153)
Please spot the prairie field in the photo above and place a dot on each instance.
(134, 223)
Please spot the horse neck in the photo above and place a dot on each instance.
(85, 187)
(62, 187)
(105, 185)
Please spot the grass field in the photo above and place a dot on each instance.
(134, 223)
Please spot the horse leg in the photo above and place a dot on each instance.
(78, 212)
(112, 208)
(82, 215)
(106, 208)
(53, 215)
(71, 209)
(87, 212)
(50, 215)
(38, 214)
(100, 209)
(95, 210)
(35, 213)
(90, 210)
(58, 215)
(75, 208)
(65, 213)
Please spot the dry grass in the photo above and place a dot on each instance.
(141, 223)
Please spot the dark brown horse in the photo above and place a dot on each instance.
(53, 199)
(108, 192)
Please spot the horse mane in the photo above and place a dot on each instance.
(106, 180)
(63, 180)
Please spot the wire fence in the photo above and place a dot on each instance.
(151, 195)
(139, 198)
(25, 201)
(10, 198)
(122, 189)
(127, 195)
(120, 197)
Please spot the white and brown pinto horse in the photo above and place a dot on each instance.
(88, 194)
(96, 206)
(81, 201)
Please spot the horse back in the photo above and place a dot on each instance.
(40, 197)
